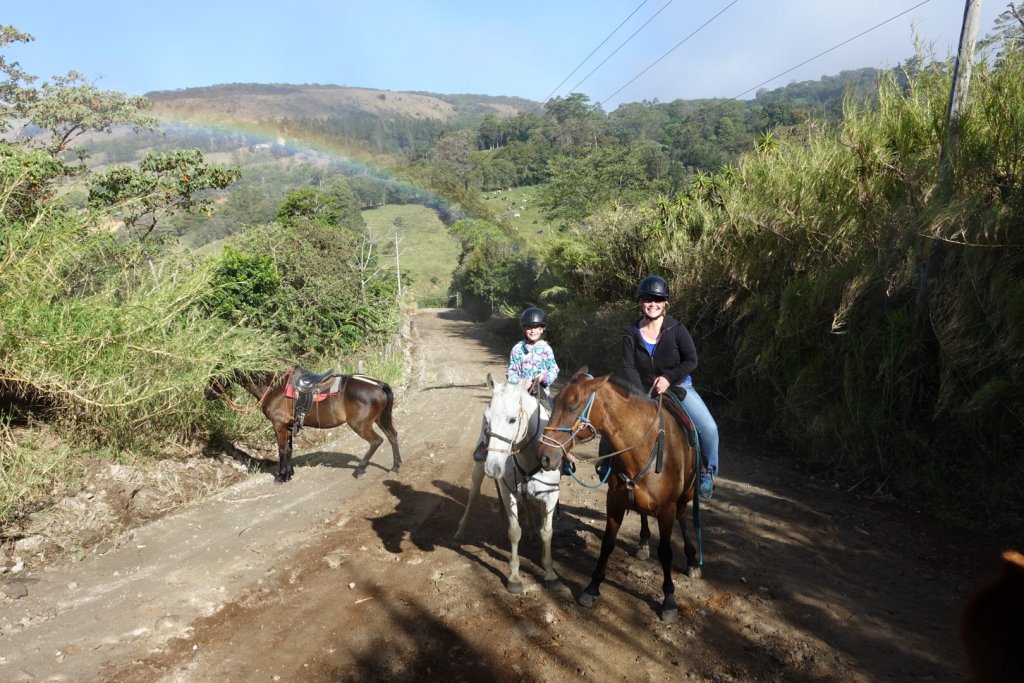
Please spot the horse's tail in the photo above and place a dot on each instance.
(385, 415)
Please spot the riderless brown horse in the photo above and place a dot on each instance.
(653, 469)
(360, 402)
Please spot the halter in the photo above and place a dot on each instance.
(582, 422)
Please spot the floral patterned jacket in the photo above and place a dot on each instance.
(526, 362)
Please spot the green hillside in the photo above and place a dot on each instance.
(427, 254)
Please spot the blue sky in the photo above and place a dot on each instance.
(524, 48)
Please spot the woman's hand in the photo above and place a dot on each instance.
(660, 385)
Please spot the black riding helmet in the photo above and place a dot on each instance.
(533, 316)
(652, 285)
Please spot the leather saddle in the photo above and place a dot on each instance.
(675, 407)
(308, 387)
(306, 382)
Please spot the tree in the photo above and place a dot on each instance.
(68, 107)
(452, 159)
(1007, 32)
(64, 108)
(336, 206)
(573, 121)
(14, 87)
(163, 183)
(491, 132)
(580, 185)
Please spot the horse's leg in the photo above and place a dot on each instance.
(593, 591)
(693, 569)
(551, 580)
(515, 532)
(666, 520)
(474, 491)
(283, 432)
(396, 458)
(643, 551)
(367, 432)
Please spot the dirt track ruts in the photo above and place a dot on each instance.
(329, 578)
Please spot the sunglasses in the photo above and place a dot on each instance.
(652, 300)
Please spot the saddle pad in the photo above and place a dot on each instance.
(332, 390)
(676, 408)
(364, 378)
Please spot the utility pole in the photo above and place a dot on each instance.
(398, 269)
(957, 96)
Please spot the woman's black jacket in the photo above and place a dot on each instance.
(675, 356)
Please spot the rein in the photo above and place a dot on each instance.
(583, 422)
(271, 384)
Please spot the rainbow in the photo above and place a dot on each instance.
(304, 146)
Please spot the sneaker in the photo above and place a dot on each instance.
(480, 454)
(707, 485)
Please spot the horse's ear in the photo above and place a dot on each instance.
(585, 370)
(490, 382)
(599, 382)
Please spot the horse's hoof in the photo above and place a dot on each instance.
(643, 553)
(669, 616)
(587, 600)
(359, 473)
(514, 587)
(694, 572)
(553, 584)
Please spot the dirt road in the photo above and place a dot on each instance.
(329, 578)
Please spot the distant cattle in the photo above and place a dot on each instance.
(992, 625)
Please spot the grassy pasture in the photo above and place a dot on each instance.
(518, 210)
(427, 254)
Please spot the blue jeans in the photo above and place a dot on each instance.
(707, 429)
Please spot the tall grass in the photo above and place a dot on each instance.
(122, 357)
(108, 346)
(819, 246)
(799, 272)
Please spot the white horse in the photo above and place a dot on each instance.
(514, 421)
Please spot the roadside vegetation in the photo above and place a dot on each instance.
(795, 230)
(110, 330)
(801, 269)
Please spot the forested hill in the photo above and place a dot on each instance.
(385, 121)
(256, 102)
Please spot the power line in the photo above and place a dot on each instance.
(697, 30)
(834, 47)
(607, 38)
(707, 110)
(573, 89)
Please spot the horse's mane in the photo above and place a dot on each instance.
(625, 389)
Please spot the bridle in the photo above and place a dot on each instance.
(221, 388)
(582, 422)
(515, 444)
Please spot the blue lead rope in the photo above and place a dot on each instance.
(604, 479)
